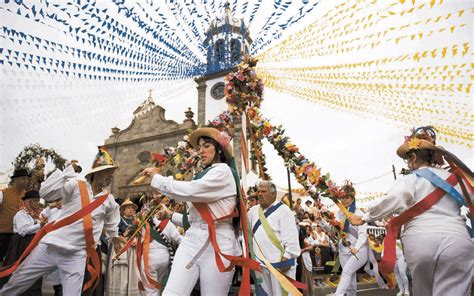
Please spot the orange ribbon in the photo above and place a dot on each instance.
(52, 226)
(146, 252)
(143, 250)
(92, 260)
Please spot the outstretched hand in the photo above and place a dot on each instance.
(355, 220)
(164, 213)
(284, 269)
(150, 172)
(117, 244)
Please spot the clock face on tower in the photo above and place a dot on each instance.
(217, 90)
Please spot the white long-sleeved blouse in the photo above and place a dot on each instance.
(442, 217)
(217, 188)
(24, 224)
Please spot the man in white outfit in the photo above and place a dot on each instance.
(52, 212)
(438, 250)
(65, 248)
(355, 253)
(165, 236)
(282, 223)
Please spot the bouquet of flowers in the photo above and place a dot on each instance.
(244, 88)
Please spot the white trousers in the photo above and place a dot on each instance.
(401, 274)
(212, 282)
(375, 270)
(159, 261)
(270, 283)
(350, 264)
(440, 264)
(44, 258)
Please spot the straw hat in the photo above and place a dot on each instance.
(103, 161)
(421, 138)
(221, 137)
(126, 203)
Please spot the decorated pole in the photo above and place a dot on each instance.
(289, 187)
(256, 148)
(244, 94)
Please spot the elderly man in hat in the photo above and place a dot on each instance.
(275, 236)
(438, 250)
(26, 223)
(68, 248)
(10, 204)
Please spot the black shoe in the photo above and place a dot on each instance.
(58, 290)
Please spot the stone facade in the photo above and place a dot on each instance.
(148, 131)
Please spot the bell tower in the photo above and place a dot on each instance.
(227, 40)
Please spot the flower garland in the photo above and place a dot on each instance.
(244, 94)
(305, 172)
(33, 151)
(244, 88)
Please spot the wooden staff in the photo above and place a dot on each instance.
(148, 216)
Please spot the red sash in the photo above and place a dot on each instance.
(389, 259)
(52, 226)
(245, 261)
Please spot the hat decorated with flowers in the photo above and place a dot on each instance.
(221, 137)
(102, 161)
(421, 138)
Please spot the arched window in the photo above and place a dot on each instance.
(220, 51)
(235, 54)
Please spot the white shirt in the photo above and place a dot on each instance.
(320, 238)
(442, 217)
(1, 197)
(106, 217)
(217, 188)
(356, 235)
(51, 213)
(24, 224)
(282, 222)
(170, 233)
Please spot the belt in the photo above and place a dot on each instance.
(203, 225)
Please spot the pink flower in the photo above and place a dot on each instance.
(223, 138)
(240, 77)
